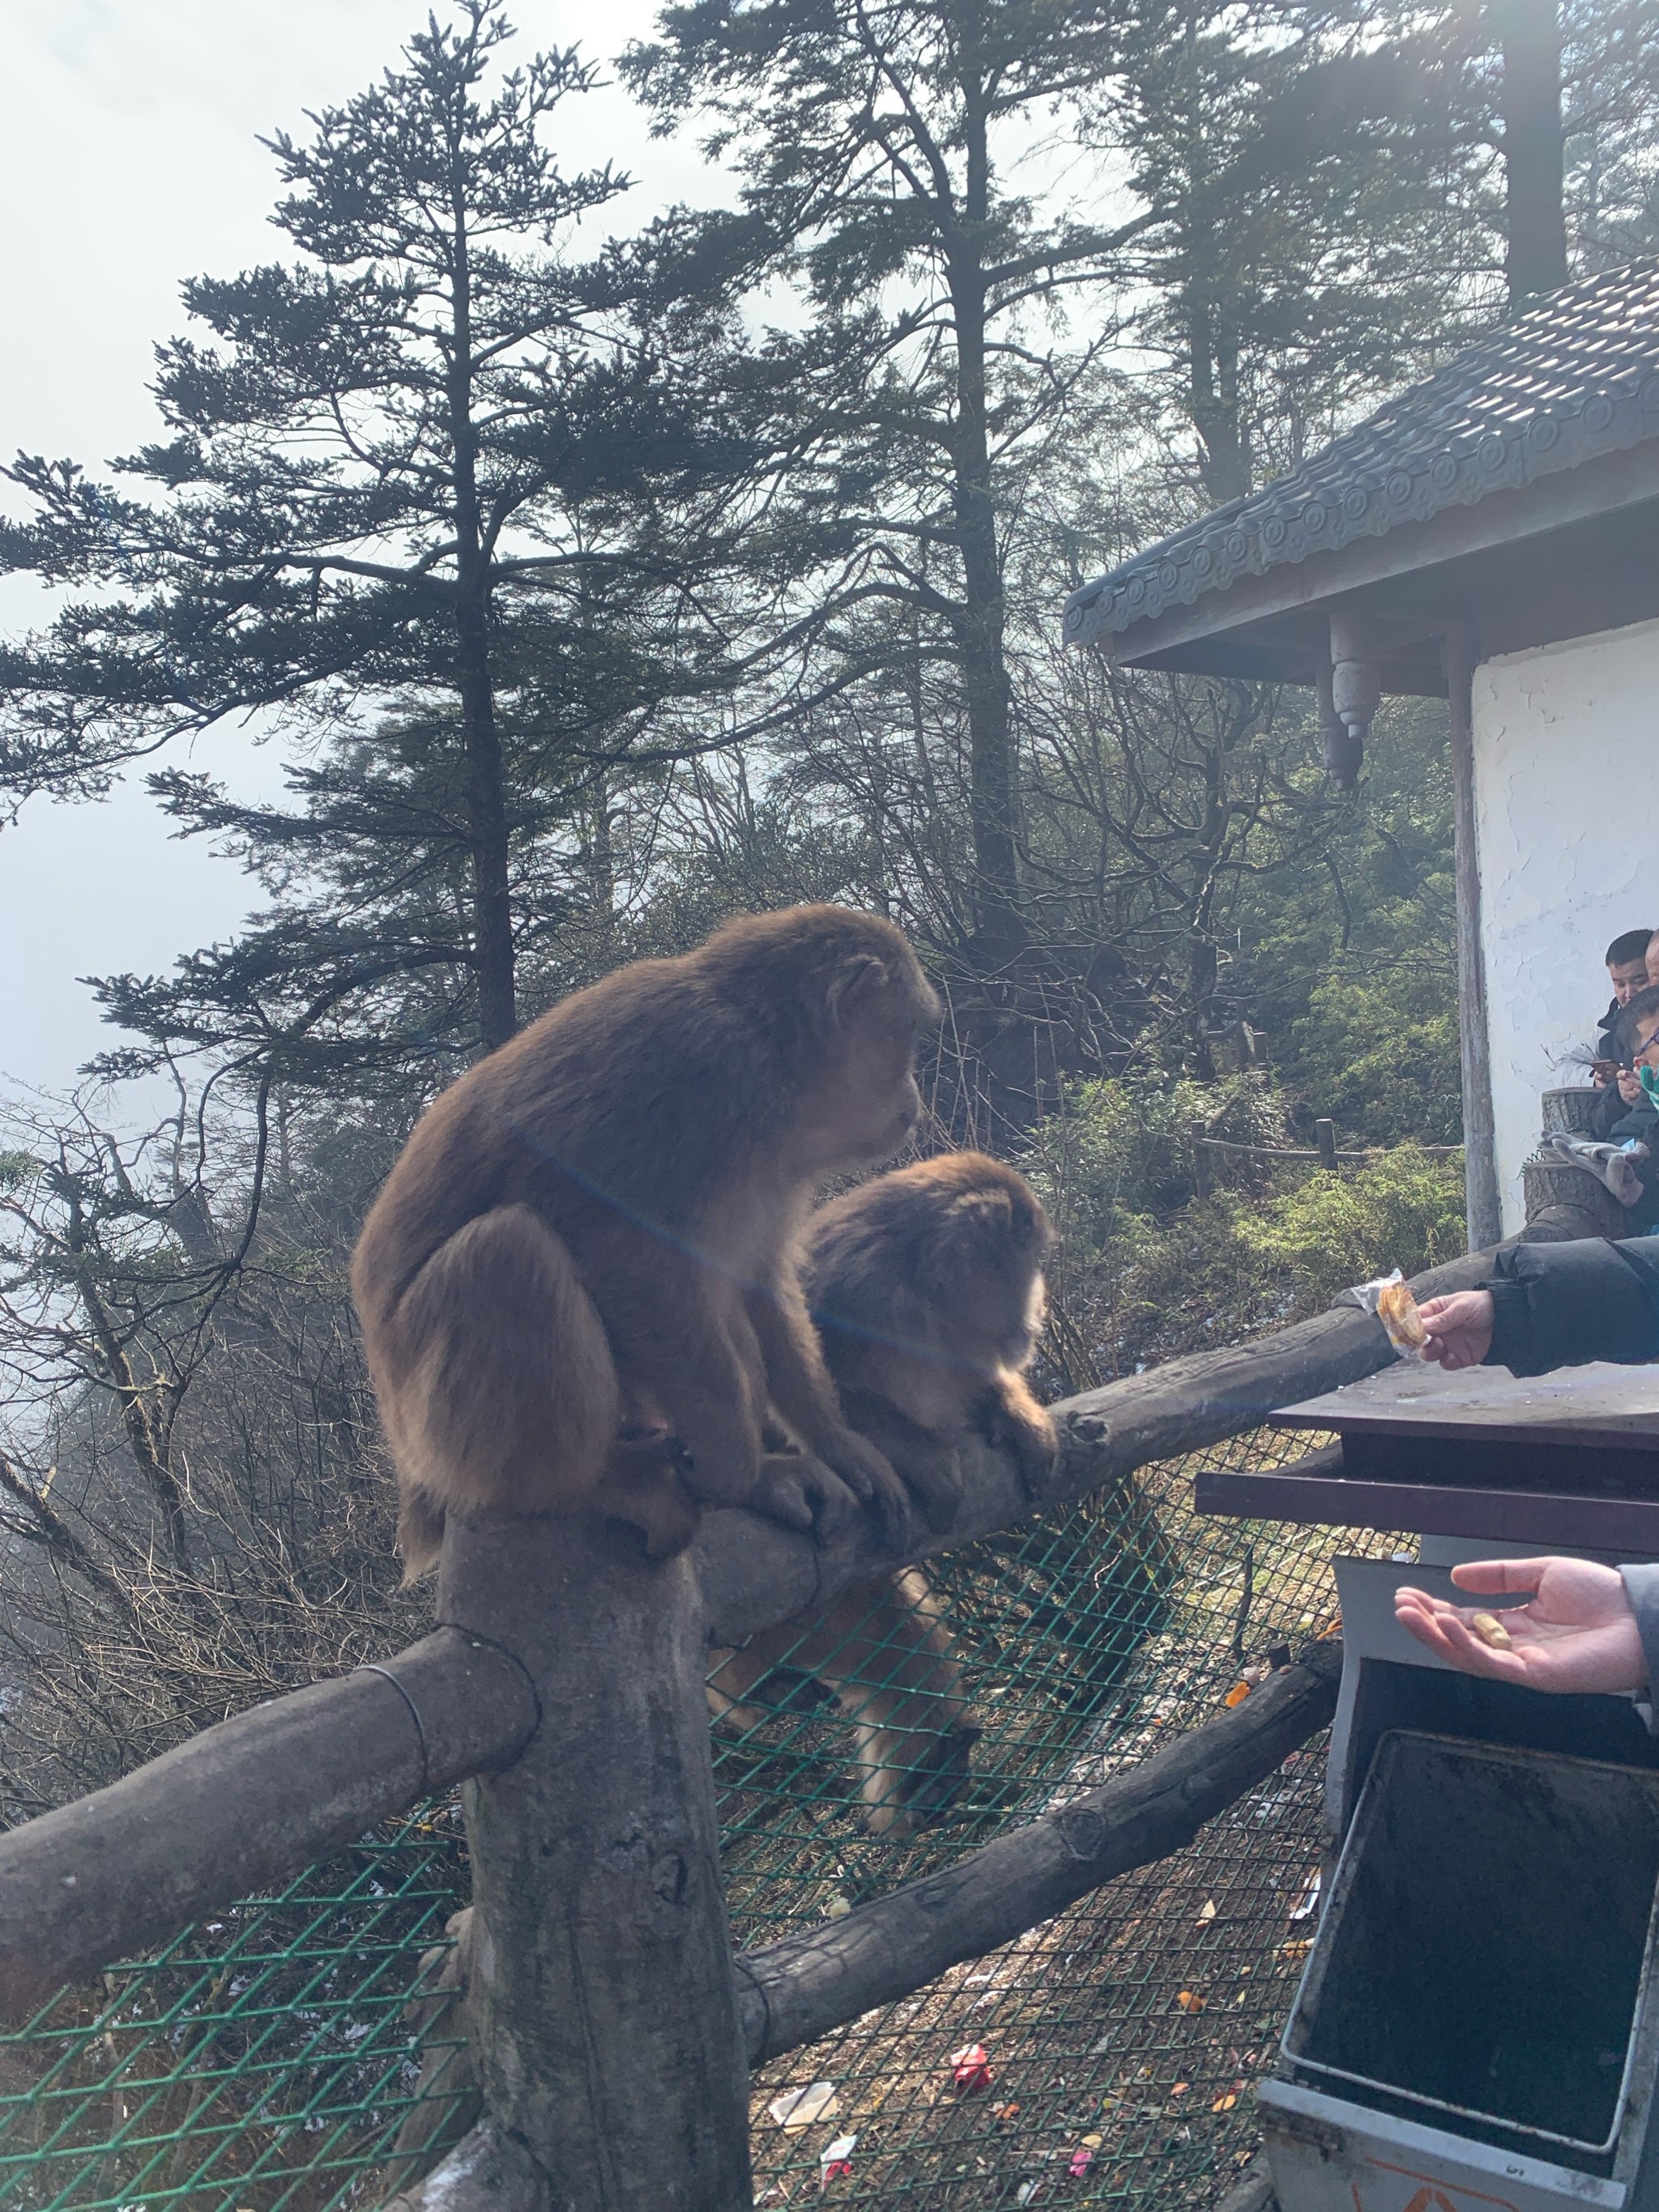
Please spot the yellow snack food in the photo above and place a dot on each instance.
(1396, 1309)
(1491, 1631)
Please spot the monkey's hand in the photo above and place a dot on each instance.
(803, 1493)
(1014, 1422)
(644, 1482)
(927, 1460)
(868, 1473)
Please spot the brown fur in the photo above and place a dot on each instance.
(926, 1286)
(885, 1654)
(600, 1219)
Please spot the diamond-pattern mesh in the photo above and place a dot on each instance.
(269, 2062)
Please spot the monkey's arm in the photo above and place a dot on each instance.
(800, 1387)
(677, 1351)
(925, 1460)
(1012, 1417)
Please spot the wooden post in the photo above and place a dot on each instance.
(1202, 1183)
(1482, 1207)
(602, 1996)
(1325, 1138)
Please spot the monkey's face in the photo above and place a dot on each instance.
(983, 1266)
(866, 1103)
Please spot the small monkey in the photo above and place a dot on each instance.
(926, 1287)
(601, 1216)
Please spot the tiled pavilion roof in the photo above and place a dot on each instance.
(1575, 375)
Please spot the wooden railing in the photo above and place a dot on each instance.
(611, 2029)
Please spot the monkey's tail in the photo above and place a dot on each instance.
(507, 1396)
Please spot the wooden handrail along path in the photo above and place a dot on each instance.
(611, 2033)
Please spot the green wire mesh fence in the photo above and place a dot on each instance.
(281, 2059)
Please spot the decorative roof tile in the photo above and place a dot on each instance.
(1575, 375)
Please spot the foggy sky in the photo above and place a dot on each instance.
(129, 161)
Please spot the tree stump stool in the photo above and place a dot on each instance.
(1570, 1113)
(1565, 1201)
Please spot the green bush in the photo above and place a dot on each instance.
(1403, 1209)
(1125, 1148)
(1145, 1270)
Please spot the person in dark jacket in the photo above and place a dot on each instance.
(1552, 1305)
(1587, 1627)
(1627, 959)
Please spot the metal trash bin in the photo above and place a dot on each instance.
(1478, 2023)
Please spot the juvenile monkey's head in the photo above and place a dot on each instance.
(845, 1001)
(983, 1239)
(951, 1249)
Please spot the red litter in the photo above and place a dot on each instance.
(836, 2159)
(970, 2069)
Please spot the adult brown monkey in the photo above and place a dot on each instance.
(926, 1287)
(601, 1216)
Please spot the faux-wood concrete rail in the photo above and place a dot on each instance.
(258, 1798)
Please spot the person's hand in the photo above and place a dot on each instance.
(1630, 1085)
(1459, 1327)
(1578, 1633)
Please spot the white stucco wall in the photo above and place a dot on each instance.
(1566, 786)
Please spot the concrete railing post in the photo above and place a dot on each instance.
(602, 2004)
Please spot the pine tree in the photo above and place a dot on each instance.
(872, 142)
(436, 475)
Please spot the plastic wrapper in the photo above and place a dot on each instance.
(1390, 1298)
(835, 2161)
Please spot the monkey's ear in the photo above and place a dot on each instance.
(855, 986)
(983, 1212)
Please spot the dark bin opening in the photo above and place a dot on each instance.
(1487, 1939)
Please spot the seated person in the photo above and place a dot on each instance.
(1627, 959)
(1636, 1043)
(1558, 1305)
